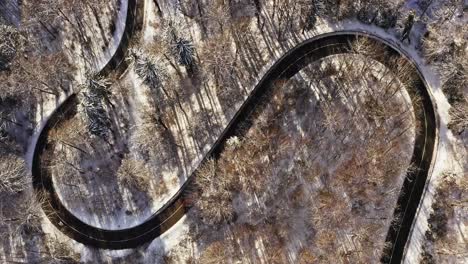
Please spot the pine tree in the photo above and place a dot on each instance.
(92, 101)
(147, 69)
(183, 49)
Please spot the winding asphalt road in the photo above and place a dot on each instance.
(293, 61)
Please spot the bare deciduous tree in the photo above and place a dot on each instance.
(215, 253)
(60, 252)
(459, 116)
(11, 42)
(29, 214)
(70, 133)
(219, 57)
(13, 174)
(213, 201)
(135, 173)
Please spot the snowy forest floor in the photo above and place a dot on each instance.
(328, 183)
(232, 52)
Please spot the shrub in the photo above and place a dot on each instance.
(213, 197)
(459, 116)
(12, 174)
(11, 42)
(133, 172)
(29, 219)
(60, 252)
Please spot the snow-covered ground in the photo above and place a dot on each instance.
(117, 36)
(318, 164)
(10, 12)
(448, 156)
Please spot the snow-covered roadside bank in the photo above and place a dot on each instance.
(47, 111)
(116, 38)
(154, 252)
(450, 159)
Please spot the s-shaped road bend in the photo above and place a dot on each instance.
(289, 64)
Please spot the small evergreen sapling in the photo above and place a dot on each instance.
(92, 101)
(183, 49)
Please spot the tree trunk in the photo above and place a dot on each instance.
(47, 29)
(201, 13)
(159, 11)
